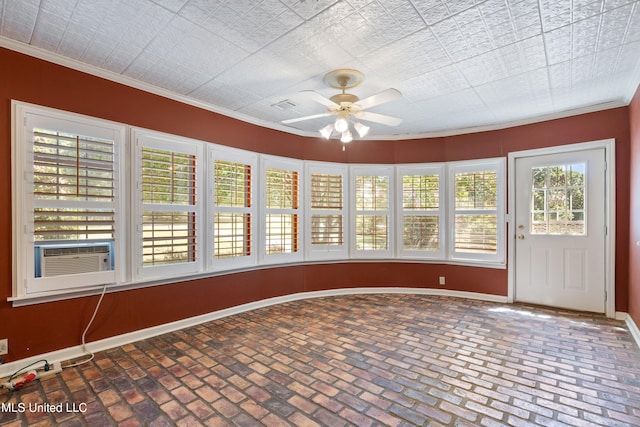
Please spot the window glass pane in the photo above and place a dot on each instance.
(557, 199)
(326, 230)
(168, 237)
(476, 190)
(232, 183)
(72, 167)
(282, 189)
(420, 192)
(372, 193)
(168, 177)
(282, 233)
(372, 232)
(232, 235)
(420, 232)
(475, 233)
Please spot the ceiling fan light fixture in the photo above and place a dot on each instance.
(346, 137)
(327, 131)
(341, 125)
(362, 130)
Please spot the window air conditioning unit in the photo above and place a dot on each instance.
(59, 260)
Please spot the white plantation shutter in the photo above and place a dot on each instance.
(372, 202)
(233, 217)
(326, 226)
(282, 213)
(477, 213)
(169, 205)
(421, 210)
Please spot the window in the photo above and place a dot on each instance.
(326, 208)
(233, 207)
(67, 207)
(557, 199)
(282, 213)
(372, 198)
(169, 205)
(477, 215)
(421, 207)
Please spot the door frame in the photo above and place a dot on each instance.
(610, 213)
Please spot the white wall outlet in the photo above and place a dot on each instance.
(4, 346)
(442, 281)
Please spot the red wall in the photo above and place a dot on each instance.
(31, 330)
(634, 211)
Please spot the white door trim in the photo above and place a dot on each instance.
(610, 213)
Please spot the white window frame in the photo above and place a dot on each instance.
(372, 170)
(145, 138)
(25, 117)
(326, 252)
(226, 154)
(284, 163)
(497, 164)
(421, 169)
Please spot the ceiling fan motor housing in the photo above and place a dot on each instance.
(344, 97)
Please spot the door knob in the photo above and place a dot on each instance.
(520, 236)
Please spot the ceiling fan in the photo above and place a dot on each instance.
(347, 106)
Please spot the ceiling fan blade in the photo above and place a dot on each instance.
(319, 98)
(300, 119)
(379, 118)
(379, 98)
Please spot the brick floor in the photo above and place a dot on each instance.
(367, 360)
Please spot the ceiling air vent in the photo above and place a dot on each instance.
(284, 105)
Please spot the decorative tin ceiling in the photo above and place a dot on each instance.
(458, 63)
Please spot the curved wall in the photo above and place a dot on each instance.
(30, 329)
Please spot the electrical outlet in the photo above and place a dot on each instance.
(442, 281)
(4, 346)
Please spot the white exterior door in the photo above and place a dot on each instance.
(560, 219)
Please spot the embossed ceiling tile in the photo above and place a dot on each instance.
(199, 11)
(457, 6)
(554, 14)
(614, 27)
(490, 7)
(49, 32)
(18, 20)
(585, 37)
(483, 68)
(433, 12)
(583, 9)
(309, 9)
(526, 88)
(232, 97)
(558, 45)
(634, 26)
(528, 25)
(433, 84)
(172, 5)
(523, 7)
(613, 4)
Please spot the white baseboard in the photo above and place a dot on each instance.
(69, 353)
(633, 328)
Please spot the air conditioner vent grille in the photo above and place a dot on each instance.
(75, 250)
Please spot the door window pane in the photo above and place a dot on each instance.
(557, 199)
